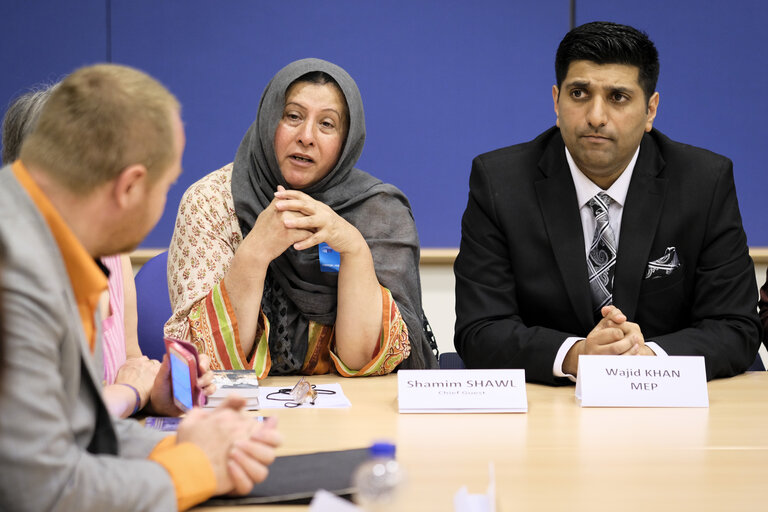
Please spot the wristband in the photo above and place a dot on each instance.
(138, 398)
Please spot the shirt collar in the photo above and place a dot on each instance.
(586, 189)
(86, 277)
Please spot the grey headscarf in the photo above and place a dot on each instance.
(296, 291)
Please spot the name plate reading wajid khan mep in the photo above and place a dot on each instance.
(642, 381)
(460, 391)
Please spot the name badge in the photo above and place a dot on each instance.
(642, 381)
(329, 259)
(460, 391)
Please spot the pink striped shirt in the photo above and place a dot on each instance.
(113, 327)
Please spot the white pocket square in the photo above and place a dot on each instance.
(663, 266)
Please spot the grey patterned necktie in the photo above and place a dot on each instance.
(602, 254)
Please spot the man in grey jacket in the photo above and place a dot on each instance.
(91, 181)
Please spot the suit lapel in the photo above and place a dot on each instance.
(560, 210)
(639, 222)
(104, 438)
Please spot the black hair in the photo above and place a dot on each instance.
(603, 42)
(316, 77)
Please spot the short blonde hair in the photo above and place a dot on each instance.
(97, 122)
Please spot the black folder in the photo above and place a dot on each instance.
(295, 478)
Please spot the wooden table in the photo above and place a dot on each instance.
(558, 456)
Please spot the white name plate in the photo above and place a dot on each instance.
(642, 381)
(459, 391)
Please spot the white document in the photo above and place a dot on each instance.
(463, 501)
(642, 381)
(324, 501)
(461, 391)
(329, 396)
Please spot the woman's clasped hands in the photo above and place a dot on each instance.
(309, 222)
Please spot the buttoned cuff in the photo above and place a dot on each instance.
(656, 348)
(189, 468)
(557, 367)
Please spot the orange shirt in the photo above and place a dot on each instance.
(87, 279)
(189, 468)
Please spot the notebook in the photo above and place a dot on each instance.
(295, 478)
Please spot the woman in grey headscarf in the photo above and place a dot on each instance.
(249, 280)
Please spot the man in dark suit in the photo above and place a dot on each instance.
(602, 235)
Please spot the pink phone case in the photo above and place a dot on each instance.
(198, 397)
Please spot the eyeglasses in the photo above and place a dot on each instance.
(302, 393)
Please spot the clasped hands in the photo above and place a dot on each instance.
(238, 447)
(295, 219)
(613, 335)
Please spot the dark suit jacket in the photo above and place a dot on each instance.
(521, 272)
(762, 306)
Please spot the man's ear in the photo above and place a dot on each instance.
(130, 186)
(653, 107)
(555, 97)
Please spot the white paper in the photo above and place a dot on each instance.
(642, 381)
(324, 501)
(465, 502)
(461, 391)
(337, 400)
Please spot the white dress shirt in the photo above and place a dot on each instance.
(586, 190)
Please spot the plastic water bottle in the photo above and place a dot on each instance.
(379, 480)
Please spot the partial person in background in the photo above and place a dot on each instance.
(2, 344)
(20, 119)
(763, 308)
(91, 181)
(603, 236)
(246, 274)
(129, 376)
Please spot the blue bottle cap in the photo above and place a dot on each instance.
(382, 449)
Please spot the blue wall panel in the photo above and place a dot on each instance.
(712, 83)
(441, 82)
(41, 41)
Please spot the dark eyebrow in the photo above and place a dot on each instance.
(623, 90)
(581, 84)
(584, 84)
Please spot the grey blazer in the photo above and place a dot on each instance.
(59, 449)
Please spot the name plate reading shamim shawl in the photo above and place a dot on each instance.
(461, 391)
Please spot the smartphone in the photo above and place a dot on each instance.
(182, 356)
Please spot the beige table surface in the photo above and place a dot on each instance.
(557, 456)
